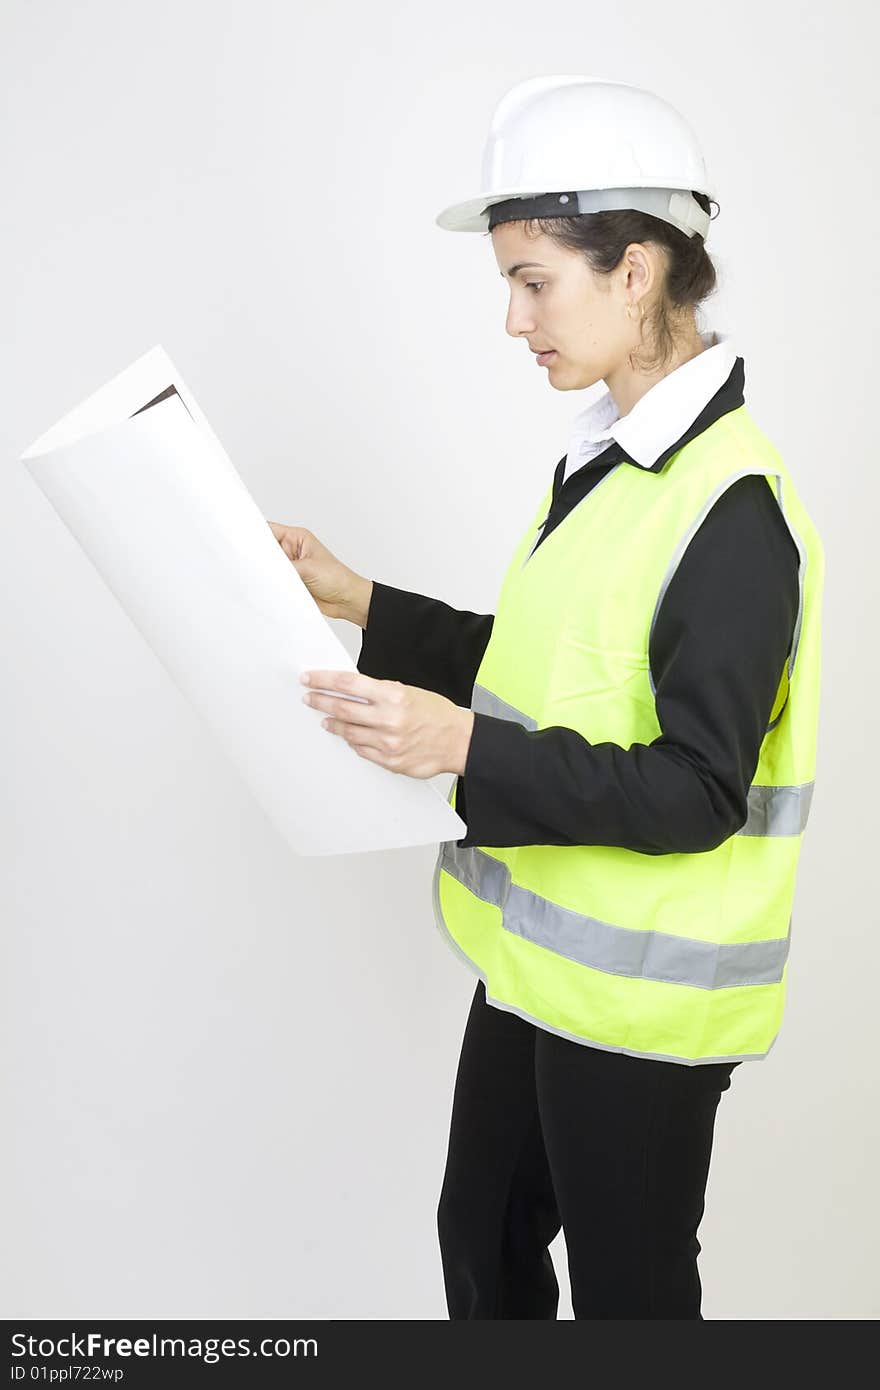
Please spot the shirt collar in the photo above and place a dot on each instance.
(674, 407)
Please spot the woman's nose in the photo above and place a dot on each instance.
(519, 323)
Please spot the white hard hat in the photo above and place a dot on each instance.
(568, 145)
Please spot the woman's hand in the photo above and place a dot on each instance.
(339, 592)
(402, 727)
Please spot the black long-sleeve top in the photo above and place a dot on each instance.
(720, 641)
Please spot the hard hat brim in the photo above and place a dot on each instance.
(671, 204)
(470, 215)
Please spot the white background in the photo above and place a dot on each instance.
(228, 1071)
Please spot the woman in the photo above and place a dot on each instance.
(634, 732)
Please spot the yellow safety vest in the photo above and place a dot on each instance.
(680, 957)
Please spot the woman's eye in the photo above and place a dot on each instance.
(535, 285)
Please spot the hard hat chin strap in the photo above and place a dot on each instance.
(672, 205)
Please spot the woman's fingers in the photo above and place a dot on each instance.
(356, 712)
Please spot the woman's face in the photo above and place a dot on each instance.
(557, 302)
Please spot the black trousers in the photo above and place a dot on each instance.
(549, 1133)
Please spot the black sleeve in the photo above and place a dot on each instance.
(422, 641)
(720, 642)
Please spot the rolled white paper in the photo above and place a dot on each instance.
(156, 504)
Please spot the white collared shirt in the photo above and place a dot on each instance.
(660, 416)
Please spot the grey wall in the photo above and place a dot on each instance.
(228, 1071)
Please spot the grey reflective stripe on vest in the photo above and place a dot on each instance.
(802, 569)
(440, 923)
(778, 810)
(646, 955)
(484, 702)
(770, 811)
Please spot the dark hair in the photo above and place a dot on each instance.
(603, 238)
